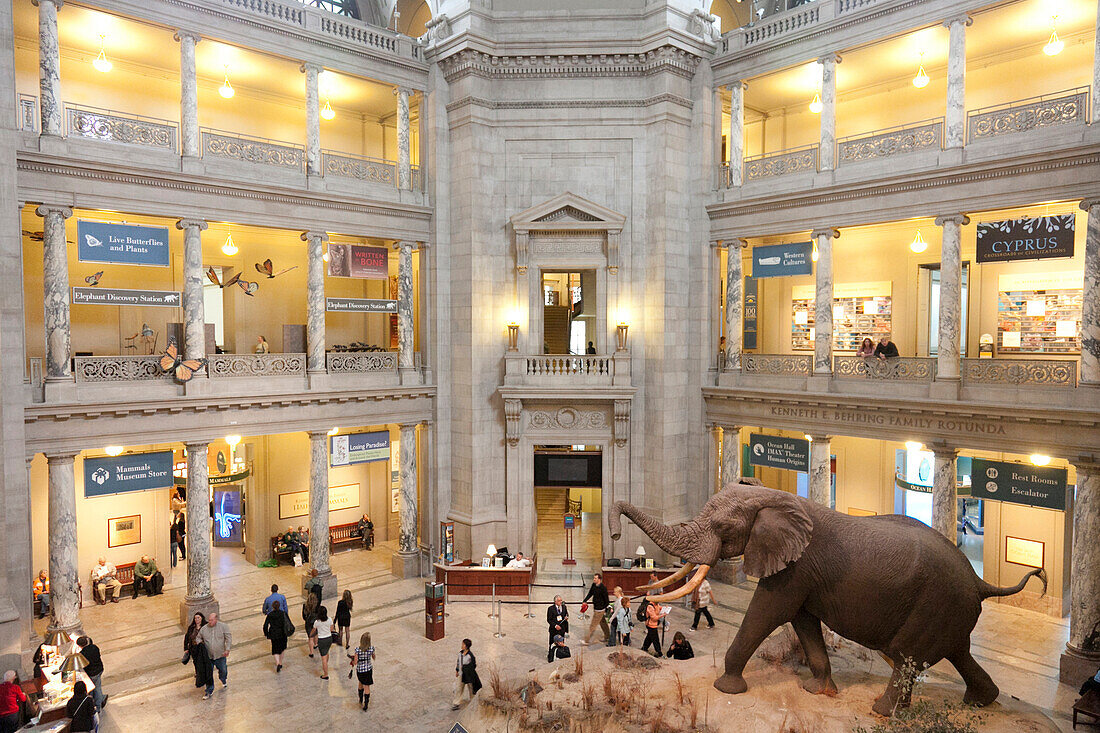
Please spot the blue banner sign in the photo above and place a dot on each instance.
(783, 260)
(347, 450)
(122, 474)
(122, 244)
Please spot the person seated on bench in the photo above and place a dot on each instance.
(366, 531)
(1091, 684)
(519, 561)
(148, 577)
(103, 578)
(42, 593)
(303, 539)
(292, 543)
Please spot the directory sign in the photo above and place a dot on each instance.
(133, 472)
(360, 305)
(122, 244)
(1019, 483)
(772, 451)
(783, 260)
(347, 450)
(116, 296)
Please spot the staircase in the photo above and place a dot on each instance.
(555, 328)
(551, 502)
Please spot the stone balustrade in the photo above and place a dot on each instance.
(356, 362)
(126, 368)
(783, 163)
(361, 167)
(118, 127)
(256, 365)
(1062, 108)
(903, 368)
(892, 141)
(1020, 372)
(787, 365)
(232, 146)
(573, 370)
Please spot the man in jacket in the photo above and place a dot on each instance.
(42, 592)
(216, 638)
(557, 618)
(146, 575)
(366, 531)
(103, 577)
(275, 596)
(94, 669)
(600, 601)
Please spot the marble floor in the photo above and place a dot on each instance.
(150, 689)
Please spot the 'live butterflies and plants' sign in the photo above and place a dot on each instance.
(122, 244)
(126, 473)
(1026, 238)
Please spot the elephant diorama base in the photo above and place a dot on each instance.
(889, 583)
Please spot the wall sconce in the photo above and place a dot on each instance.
(513, 336)
(621, 333)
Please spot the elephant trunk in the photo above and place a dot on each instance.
(675, 542)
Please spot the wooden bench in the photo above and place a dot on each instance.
(344, 534)
(124, 573)
(283, 554)
(1089, 705)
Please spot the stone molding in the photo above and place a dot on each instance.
(513, 411)
(960, 219)
(569, 103)
(567, 418)
(545, 66)
(622, 422)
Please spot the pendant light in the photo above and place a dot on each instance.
(327, 112)
(226, 89)
(1038, 459)
(920, 81)
(918, 244)
(102, 63)
(813, 253)
(815, 104)
(229, 248)
(1054, 43)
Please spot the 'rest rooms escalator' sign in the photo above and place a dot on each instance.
(1026, 238)
(1018, 483)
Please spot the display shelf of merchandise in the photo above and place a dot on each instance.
(1039, 321)
(860, 310)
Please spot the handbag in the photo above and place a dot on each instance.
(186, 657)
(288, 625)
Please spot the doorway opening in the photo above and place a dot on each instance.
(569, 480)
(569, 312)
(934, 308)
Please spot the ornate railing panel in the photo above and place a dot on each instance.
(781, 25)
(118, 368)
(217, 144)
(27, 113)
(783, 163)
(361, 362)
(723, 176)
(796, 365)
(417, 178)
(847, 6)
(892, 141)
(352, 31)
(256, 365)
(1063, 108)
(101, 124)
(360, 167)
(902, 369)
(1039, 372)
(552, 365)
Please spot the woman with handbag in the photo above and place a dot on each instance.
(343, 621)
(194, 651)
(275, 629)
(309, 615)
(81, 710)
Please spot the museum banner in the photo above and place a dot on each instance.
(1019, 483)
(125, 473)
(783, 260)
(122, 244)
(750, 292)
(773, 451)
(1026, 238)
(357, 260)
(347, 450)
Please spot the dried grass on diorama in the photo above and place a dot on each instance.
(578, 664)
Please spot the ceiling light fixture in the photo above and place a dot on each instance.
(815, 104)
(116, 450)
(334, 431)
(102, 63)
(918, 244)
(1054, 43)
(327, 113)
(912, 445)
(814, 254)
(226, 89)
(229, 248)
(232, 440)
(1039, 459)
(920, 81)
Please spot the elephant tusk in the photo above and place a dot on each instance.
(679, 574)
(689, 587)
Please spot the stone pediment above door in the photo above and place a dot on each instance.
(569, 217)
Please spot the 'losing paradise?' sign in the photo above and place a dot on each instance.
(782, 260)
(346, 450)
(772, 451)
(360, 305)
(121, 474)
(1018, 483)
(122, 244)
(115, 296)
(1026, 238)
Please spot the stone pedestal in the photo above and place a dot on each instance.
(405, 565)
(328, 588)
(190, 606)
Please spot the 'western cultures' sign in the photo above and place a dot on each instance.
(109, 296)
(346, 450)
(120, 474)
(122, 244)
(1026, 238)
(360, 305)
(748, 314)
(357, 260)
(782, 260)
(1018, 483)
(775, 452)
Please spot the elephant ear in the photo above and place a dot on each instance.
(779, 534)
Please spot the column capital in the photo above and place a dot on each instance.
(735, 243)
(199, 224)
(317, 434)
(196, 445)
(180, 34)
(310, 68)
(398, 89)
(833, 57)
(407, 425)
(820, 438)
(1089, 204)
(730, 428)
(963, 18)
(828, 232)
(402, 243)
(56, 3)
(63, 456)
(960, 219)
(43, 209)
(1087, 466)
(308, 236)
(739, 83)
(943, 451)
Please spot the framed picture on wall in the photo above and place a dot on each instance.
(124, 531)
(394, 504)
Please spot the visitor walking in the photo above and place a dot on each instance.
(195, 652)
(176, 533)
(277, 626)
(309, 615)
(11, 694)
(652, 623)
(81, 710)
(323, 627)
(557, 619)
(466, 674)
(363, 662)
(94, 669)
(701, 598)
(625, 620)
(218, 640)
(269, 602)
(598, 593)
(343, 620)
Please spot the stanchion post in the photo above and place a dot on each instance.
(500, 632)
(446, 596)
(494, 601)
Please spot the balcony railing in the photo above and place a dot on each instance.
(120, 127)
(256, 365)
(891, 141)
(361, 167)
(567, 370)
(361, 362)
(26, 107)
(551, 366)
(785, 365)
(118, 369)
(902, 369)
(1061, 108)
(1020, 372)
(417, 178)
(785, 162)
(234, 146)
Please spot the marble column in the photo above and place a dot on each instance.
(821, 485)
(194, 310)
(313, 120)
(404, 153)
(55, 281)
(405, 336)
(734, 301)
(827, 152)
(1090, 301)
(945, 494)
(189, 95)
(736, 136)
(318, 512)
(315, 302)
(1083, 648)
(406, 559)
(64, 572)
(951, 305)
(731, 454)
(1096, 72)
(49, 67)
(823, 303)
(200, 593)
(955, 133)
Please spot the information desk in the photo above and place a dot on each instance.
(468, 579)
(629, 580)
(54, 692)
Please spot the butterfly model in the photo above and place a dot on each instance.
(212, 276)
(249, 288)
(183, 369)
(268, 269)
(93, 280)
(34, 236)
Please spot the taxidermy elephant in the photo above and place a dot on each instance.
(890, 583)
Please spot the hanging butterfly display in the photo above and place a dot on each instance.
(249, 288)
(39, 236)
(268, 269)
(183, 369)
(212, 276)
(93, 280)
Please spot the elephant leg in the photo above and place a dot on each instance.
(895, 695)
(980, 688)
(767, 611)
(808, 629)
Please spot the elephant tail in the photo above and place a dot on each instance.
(986, 590)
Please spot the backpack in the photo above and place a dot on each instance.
(641, 613)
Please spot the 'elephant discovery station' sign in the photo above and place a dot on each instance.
(1019, 483)
(122, 474)
(772, 451)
